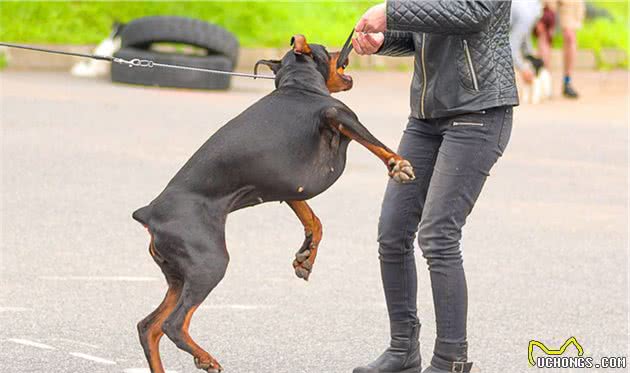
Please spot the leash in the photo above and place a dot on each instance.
(136, 62)
(345, 51)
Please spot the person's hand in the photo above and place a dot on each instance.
(373, 21)
(368, 43)
(369, 29)
(527, 75)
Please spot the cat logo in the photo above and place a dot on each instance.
(560, 351)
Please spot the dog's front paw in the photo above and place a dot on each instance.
(302, 265)
(305, 258)
(400, 170)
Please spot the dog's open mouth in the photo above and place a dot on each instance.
(341, 72)
(346, 78)
(338, 80)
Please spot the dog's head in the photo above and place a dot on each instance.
(316, 56)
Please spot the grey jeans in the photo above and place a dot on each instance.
(452, 158)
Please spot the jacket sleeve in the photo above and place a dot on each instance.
(440, 16)
(397, 44)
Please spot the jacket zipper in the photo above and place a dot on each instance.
(424, 76)
(468, 124)
(470, 66)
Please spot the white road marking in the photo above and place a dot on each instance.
(99, 278)
(26, 342)
(75, 342)
(95, 359)
(13, 309)
(144, 370)
(235, 306)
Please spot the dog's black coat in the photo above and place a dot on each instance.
(285, 147)
(281, 148)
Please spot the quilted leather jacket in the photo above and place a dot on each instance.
(462, 54)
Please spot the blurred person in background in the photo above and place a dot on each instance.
(544, 31)
(462, 95)
(523, 19)
(535, 78)
(571, 15)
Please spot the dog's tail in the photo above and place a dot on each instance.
(142, 215)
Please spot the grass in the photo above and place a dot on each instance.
(256, 23)
(604, 34)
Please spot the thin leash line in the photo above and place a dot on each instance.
(136, 62)
(93, 56)
(220, 72)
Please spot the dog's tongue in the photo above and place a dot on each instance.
(345, 51)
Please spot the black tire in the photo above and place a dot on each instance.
(166, 77)
(141, 32)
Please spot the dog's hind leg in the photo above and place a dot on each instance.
(305, 257)
(150, 328)
(204, 268)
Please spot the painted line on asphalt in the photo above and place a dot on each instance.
(144, 370)
(95, 359)
(75, 342)
(26, 342)
(99, 278)
(14, 309)
(81, 355)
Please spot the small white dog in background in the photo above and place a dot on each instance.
(107, 47)
(541, 87)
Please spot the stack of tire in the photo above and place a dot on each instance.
(137, 37)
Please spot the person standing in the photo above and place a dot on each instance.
(462, 95)
(571, 14)
(524, 16)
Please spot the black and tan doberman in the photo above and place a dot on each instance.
(289, 146)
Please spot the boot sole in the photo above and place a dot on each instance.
(411, 370)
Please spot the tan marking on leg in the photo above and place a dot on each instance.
(155, 332)
(382, 153)
(312, 227)
(391, 159)
(202, 357)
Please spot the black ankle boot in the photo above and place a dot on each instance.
(403, 354)
(449, 358)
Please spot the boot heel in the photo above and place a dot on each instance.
(412, 370)
(403, 354)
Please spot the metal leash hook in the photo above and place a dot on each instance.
(136, 62)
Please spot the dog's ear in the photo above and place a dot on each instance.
(274, 65)
(300, 46)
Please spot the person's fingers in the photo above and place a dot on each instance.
(366, 43)
(366, 47)
(357, 46)
(372, 43)
(375, 40)
(370, 28)
(360, 25)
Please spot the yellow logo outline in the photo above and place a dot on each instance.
(560, 351)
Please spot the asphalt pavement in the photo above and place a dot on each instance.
(545, 250)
